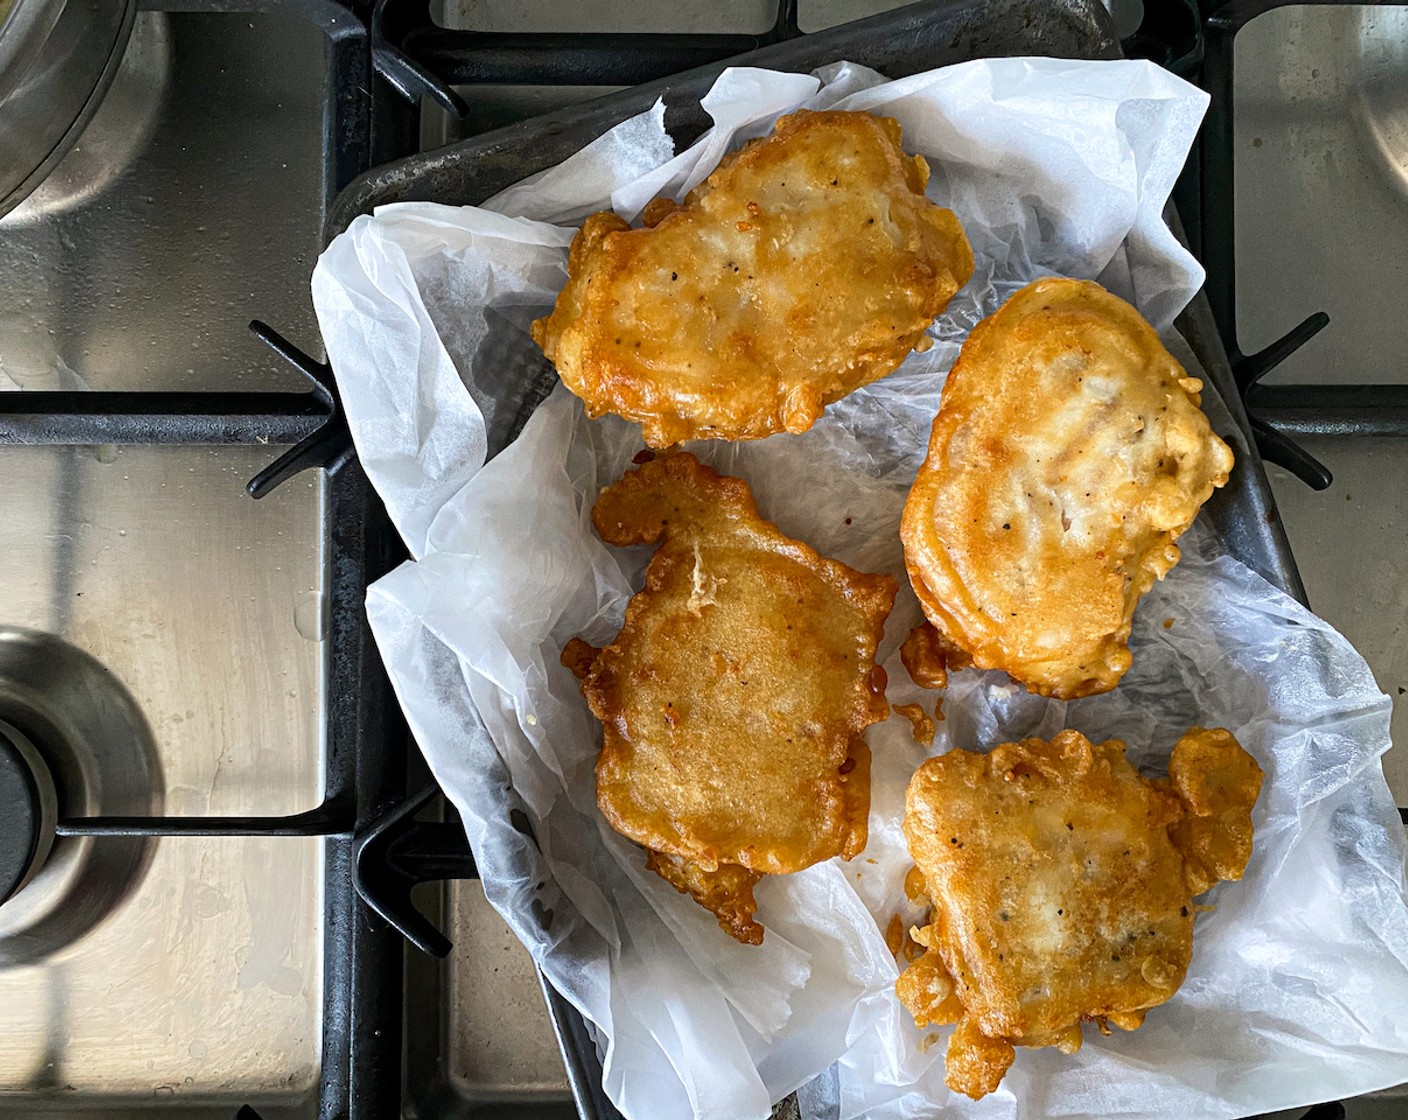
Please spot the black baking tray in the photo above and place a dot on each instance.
(898, 43)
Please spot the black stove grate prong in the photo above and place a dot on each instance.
(328, 447)
(1273, 443)
(396, 853)
(1249, 369)
(394, 25)
(331, 818)
(1276, 447)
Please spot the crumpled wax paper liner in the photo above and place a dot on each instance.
(1298, 975)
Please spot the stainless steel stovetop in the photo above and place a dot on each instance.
(202, 980)
(145, 577)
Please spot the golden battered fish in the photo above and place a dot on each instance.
(807, 265)
(733, 700)
(1068, 454)
(1062, 887)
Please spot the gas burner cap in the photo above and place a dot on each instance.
(28, 811)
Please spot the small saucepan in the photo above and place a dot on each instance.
(57, 58)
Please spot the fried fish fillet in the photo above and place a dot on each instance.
(733, 700)
(807, 265)
(1062, 887)
(1068, 454)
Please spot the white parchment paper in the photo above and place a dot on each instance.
(1299, 975)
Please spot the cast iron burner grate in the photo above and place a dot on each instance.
(381, 59)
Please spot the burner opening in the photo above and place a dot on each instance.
(73, 742)
(28, 811)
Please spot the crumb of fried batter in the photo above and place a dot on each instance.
(914, 885)
(894, 935)
(924, 657)
(921, 726)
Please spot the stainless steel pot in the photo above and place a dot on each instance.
(57, 58)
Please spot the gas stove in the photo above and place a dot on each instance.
(230, 887)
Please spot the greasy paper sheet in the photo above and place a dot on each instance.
(1298, 976)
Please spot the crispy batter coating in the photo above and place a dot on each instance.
(733, 699)
(926, 988)
(1062, 886)
(1219, 785)
(1068, 454)
(975, 1063)
(727, 892)
(807, 265)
